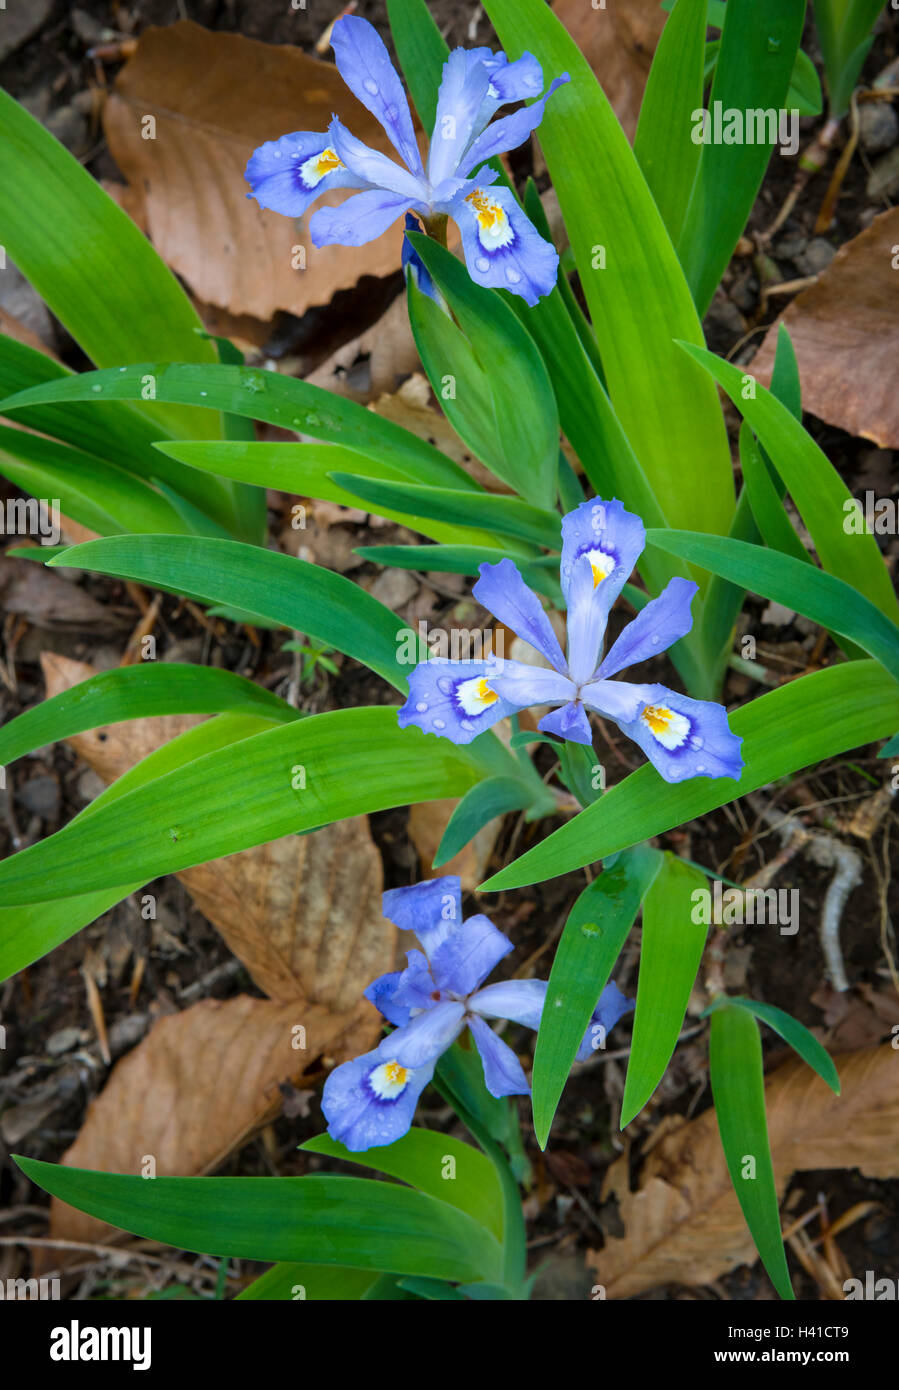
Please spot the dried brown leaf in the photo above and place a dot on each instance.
(845, 330)
(302, 913)
(618, 43)
(684, 1225)
(198, 1086)
(215, 97)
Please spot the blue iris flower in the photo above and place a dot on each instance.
(601, 543)
(502, 248)
(371, 1101)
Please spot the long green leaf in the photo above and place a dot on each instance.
(802, 587)
(666, 412)
(591, 943)
(137, 692)
(738, 1086)
(814, 484)
(445, 1168)
(508, 516)
(315, 1220)
(493, 797)
(257, 395)
(758, 51)
(283, 589)
(814, 717)
(794, 1033)
(670, 953)
(298, 777)
(668, 156)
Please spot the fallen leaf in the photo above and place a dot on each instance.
(302, 913)
(373, 363)
(197, 1087)
(684, 1225)
(214, 98)
(618, 43)
(48, 600)
(845, 330)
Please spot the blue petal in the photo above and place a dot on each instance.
(601, 543)
(283, 176)
(522, 684)
(508, 133)
(372, 169)
(428, 1035)
(520, 1001)
(360, 1109)
(463, 89)
(503, 250)
(432, 910)
(569, 722)
(399, 992)
(683, 737)
(616, 700)
(502, 1070)
(655, 628)
(364, 64)
(468, 957)
(518, 81)
(501, 589)
(360, 219)
(612, 1006)
(448, 698)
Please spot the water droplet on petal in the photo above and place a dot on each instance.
(445, 685)
(698, 742)
(467, 725)
(512, 275)
(371, 86)
(700, 767)
(421, 706)
(439, 723)
(655, 639)
(482, 264)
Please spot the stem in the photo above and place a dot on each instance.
(436, 227)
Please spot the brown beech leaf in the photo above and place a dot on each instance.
(683, 1224)
(618, 43)
(214, 97)
(197, 1087)
(302, 913)
(845, 330)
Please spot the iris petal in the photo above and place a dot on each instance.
(432, 910)
(364, 64)
(469, 955)
(655, 628)
(682, 737)
(520, 1001)
(522, 684)
(501, 589)
(428, 1034)
(503, 1072)
(454, 699)
(569, 722)
(374, 169)
(503, 250)
(463, 89)
(400, 991)
(360, 219)
(364, 1108)
(612, 1006)
(508, 133)
(287, 175)
(601, 543)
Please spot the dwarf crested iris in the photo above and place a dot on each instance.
(503, 250)
(371, 1100)
(601, 543)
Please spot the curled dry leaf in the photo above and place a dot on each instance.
(618, 43)
(199, 1085)
(186, 114)
(683, 1224)
(845, 330)
(302, 913)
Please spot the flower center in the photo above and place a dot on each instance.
(389, 1080)
(494, 229)
(475, 695)
(318, 166)
(601, 564)
(665, 725)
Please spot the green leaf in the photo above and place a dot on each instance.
(306, 469)
(759, 44)
(259, 395)
(805, 95)
(313, 1283)
(738, 1086)
(670, 953)
(502, 403)
(351, 761)
(795, 726)
(668, 157)
(137, 692)
(891, 749)
(666, 412)
(774, 525)
(462, 559)
(315, 1220)
(508, 516)
(800, 586)
(794, 1033)
(461, 1074)
(286, 590)
(493, 797)
(814, 484)
(420, 1159)
(591, 943)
